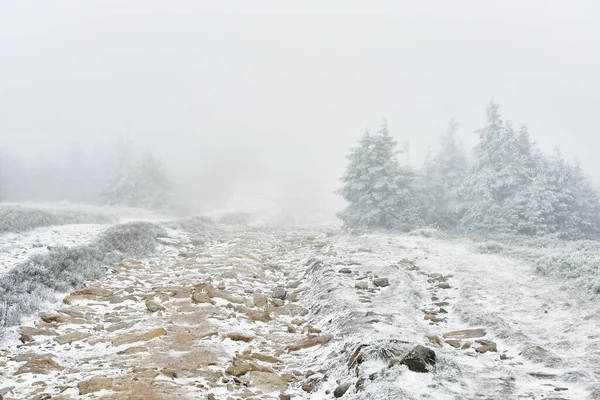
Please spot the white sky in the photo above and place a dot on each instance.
(289, 86)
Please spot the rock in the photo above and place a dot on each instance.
(170, 373)
(259, 300)
(362, 285)
(279, 293)
(39, 366)
(133, 350)
(485, 346)
(25, 338)
(153, 306)
(202, 297)
(454, 343)
(466, 334)
(419, 359)
(71, 337)
(94, 385)
(266, 358)
(30, 331)
(341, 390)
(345, 271)
(267, 381)
(238, 367)
(42, 396)
(310, 342)
(278, 302)
(132, 338)
(381, 282)
(240, 337)
(284, 396)
(93, 291)
(444, 285)
(261, 316)
(54, 318)
(360, 385)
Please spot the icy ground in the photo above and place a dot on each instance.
(262, 313)
(17, 247)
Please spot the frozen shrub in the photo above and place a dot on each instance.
(490, 247)
(425, 232)
(25, 287)
(19, 219)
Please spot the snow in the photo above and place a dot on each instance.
(543, 326)
(519, 310)
(17, 247)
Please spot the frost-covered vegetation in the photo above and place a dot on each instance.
(136, 180)
(24, 288)
(15, 218)
(575, 263)
(507, 186)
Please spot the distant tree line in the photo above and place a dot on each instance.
(506, 185)
(124, 175)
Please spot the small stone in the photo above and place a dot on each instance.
(93, 291)
(94, 385)
(454, 343)
(444, 285)
(345, 271)
(279, 293)
(239, 337)
(259, 300)
(362, 285)
(25, 338)
(261, 316)
(278, 302)
(341, 390)
(381, 282)
(54, 318)
(153, 306)
(284, 396)
(466, 334)
(71, 337)
(202, 297)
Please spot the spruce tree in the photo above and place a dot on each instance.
(371, 183)
(444, 175)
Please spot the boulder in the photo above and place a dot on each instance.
(419, 359)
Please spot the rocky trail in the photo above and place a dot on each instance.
(257, 313)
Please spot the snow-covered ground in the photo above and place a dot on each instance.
(17, 247)
(545, 333)
(549, 336)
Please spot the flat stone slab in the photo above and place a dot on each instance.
(466, 334)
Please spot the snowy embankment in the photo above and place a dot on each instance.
(543, 335)
(46, 250)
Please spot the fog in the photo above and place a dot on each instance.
(259, 103)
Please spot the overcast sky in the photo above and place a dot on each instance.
(289, 86)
